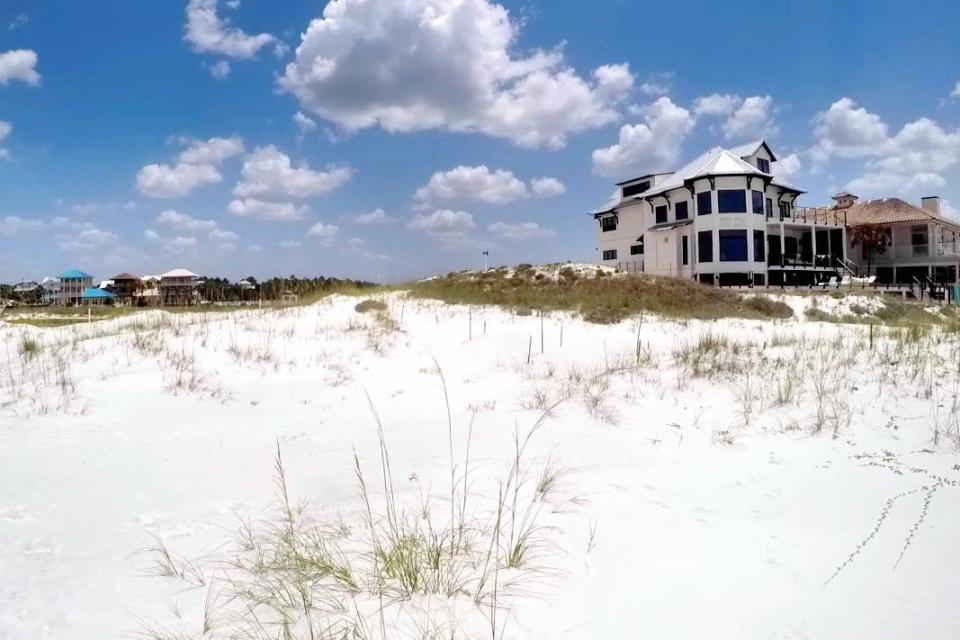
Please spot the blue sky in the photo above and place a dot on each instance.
(391, 140)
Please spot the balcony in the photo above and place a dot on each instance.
(809, 217)
(800, 261)
(918, 253)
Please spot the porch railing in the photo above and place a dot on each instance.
(918, 251)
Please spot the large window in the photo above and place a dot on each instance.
(763, 165)
(609, 223)
(731, 201)
(609, 254)
(705, 246)
(634, 189)
(733, 245)
(637, 249)
(784, 210)
(759, 246)
(680, 211)
(661, 213)
(918, 239)
(704, 203)
(757, 198)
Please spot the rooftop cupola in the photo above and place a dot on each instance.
(845, 200)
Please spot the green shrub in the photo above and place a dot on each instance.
(370, 305)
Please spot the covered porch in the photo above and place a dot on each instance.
(804, 253)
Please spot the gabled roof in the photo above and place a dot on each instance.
(50, 280)
(74, 274)
(179, 273)
(751, 148)
(715, 162)
(94, 293)
(124, 276)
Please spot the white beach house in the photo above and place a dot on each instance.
(724, 218)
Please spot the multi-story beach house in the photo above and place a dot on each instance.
(72, 285)
(724, 218)
(921, 243)
(178, 287)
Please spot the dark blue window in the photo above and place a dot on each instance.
(759, 246)
(608, 223)
(705, 246)
(680, 210)
(733, 245)
(757, 197)
(763, 165)
(731, 201)
(704, 203)
(634, 189)
(769, 207)
(661, 213)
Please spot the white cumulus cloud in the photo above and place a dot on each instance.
(207, 32)
(753, 118)
(19, 64)
(377, 216)
(196, 166)
(264, 210)
(325, 234)
(520, 230)
(652, 145)
(268, 173)
(481, 184)
(547, 187)
(445, 64)
(450, 228)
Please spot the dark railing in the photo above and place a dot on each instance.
(806, 215)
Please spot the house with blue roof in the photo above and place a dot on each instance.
(96, 295)
(72, 285)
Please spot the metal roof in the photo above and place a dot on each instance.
(74, 274)
(95, 293)
(666, 226)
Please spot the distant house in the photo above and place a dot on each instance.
(51, 287)
(178, 287)
(246, 285)
(27, 292)
(72, 285)
(96, 296)
(921, 242)
(124, 287)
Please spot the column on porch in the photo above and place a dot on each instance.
(783, 245)
(813, 245)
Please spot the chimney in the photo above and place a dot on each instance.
(931, 204)
(844, 200)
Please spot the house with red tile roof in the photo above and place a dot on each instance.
(922, 243)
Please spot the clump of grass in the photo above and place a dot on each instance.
(370, 305)
(601, 299)
(28, 348)
(290, 576)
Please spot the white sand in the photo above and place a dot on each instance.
(677, 519)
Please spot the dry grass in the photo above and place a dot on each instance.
(602, 300)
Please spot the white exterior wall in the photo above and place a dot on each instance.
(633, 221)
